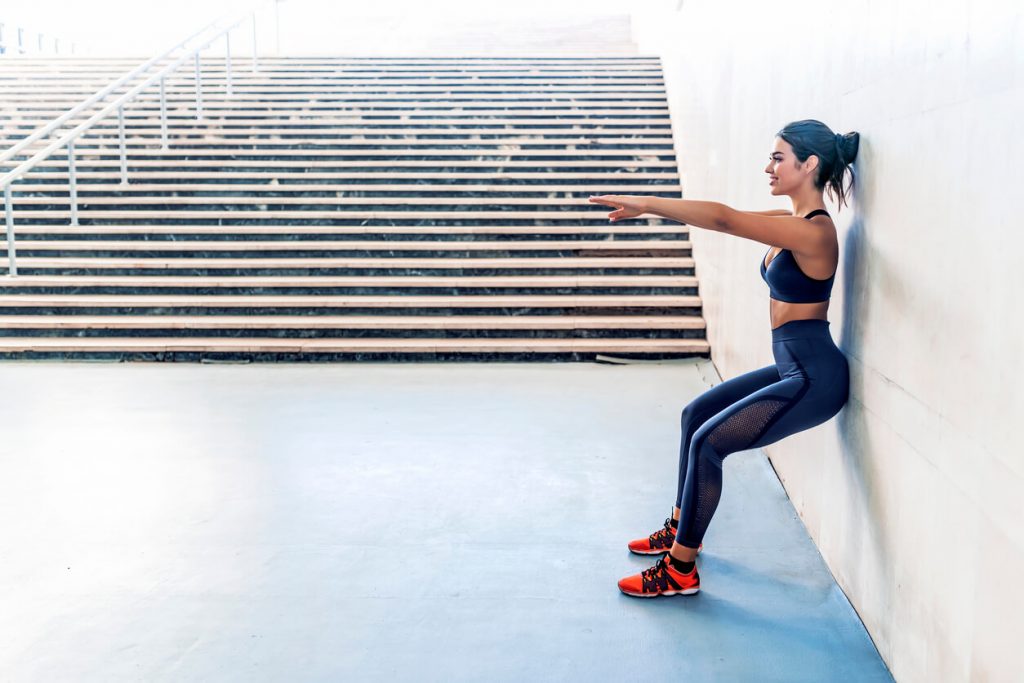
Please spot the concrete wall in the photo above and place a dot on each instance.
(914, 491)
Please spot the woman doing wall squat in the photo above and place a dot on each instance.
(808, 383)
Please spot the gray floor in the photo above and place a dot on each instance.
(382, 522)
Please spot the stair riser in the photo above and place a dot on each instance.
(271, 184)
(37, 241)
(360, 272)
(32, 251)
(389, 357)
(132, 290)
(355, 333)
(449, 199)
(405, 310)
(671, 230)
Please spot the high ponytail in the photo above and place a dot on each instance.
(836, 153)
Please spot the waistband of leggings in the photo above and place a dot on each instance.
(802, 329)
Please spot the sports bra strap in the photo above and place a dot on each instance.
(816, 212)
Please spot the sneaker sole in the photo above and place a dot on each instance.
(652, 552)
(648, 552)
(687, 591)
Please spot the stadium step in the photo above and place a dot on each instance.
(350, 209)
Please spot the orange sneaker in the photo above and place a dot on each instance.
(659, 542)
(661, 579)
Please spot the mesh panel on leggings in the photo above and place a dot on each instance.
(709, 491)
(736, 433)
(743, 428)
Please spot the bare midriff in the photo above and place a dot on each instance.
(783, 312)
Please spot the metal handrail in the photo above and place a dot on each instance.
(68, 139)
(101, 94)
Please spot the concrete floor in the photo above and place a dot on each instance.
(387, 522)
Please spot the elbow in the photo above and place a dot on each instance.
(722, 220)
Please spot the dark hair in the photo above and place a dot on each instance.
(835, 153)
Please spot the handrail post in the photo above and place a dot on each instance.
(163, 115)
(227, 52)
(255, 66)
(12, 269)
(72, 190)
(124, 153)
(199, 89)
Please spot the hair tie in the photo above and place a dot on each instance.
(839, 143)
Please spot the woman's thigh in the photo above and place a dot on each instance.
(769, 414)
(725, 394)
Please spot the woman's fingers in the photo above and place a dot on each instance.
(621, 211)
(608, 200)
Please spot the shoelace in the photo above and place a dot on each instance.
(658, 538)
(657, 577)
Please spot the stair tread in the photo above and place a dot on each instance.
(453, 199)
(271, 174)
(469, 132)
(338, 187)
(362, 300)
(354, 281)
(511, 128)
(564, 262)
(285, 214)
(84, 151)
(92, 229)
(616, 164)
(322, 245)
(8, 344)
(356, 322)
(273, 164)
(240, 114)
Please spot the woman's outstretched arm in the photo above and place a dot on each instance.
(709, 215)
(786, 231)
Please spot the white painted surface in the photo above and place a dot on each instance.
(142, 28)
(913, 493)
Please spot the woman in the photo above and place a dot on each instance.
(809, 382)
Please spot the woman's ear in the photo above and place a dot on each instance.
(811, 163)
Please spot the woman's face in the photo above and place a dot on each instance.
(785, 174)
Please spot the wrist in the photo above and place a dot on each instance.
(647, 203)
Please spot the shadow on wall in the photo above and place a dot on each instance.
(872, 535)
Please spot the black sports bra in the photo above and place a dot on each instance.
(786, 282)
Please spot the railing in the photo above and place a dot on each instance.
(5, 48)
(68, 139)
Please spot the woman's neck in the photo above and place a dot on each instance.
(804, 204)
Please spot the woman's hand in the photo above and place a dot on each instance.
(626, 205)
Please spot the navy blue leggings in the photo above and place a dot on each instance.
(807, 386)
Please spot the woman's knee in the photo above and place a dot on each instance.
(688, 416)
(701, 448)
(696, 412)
